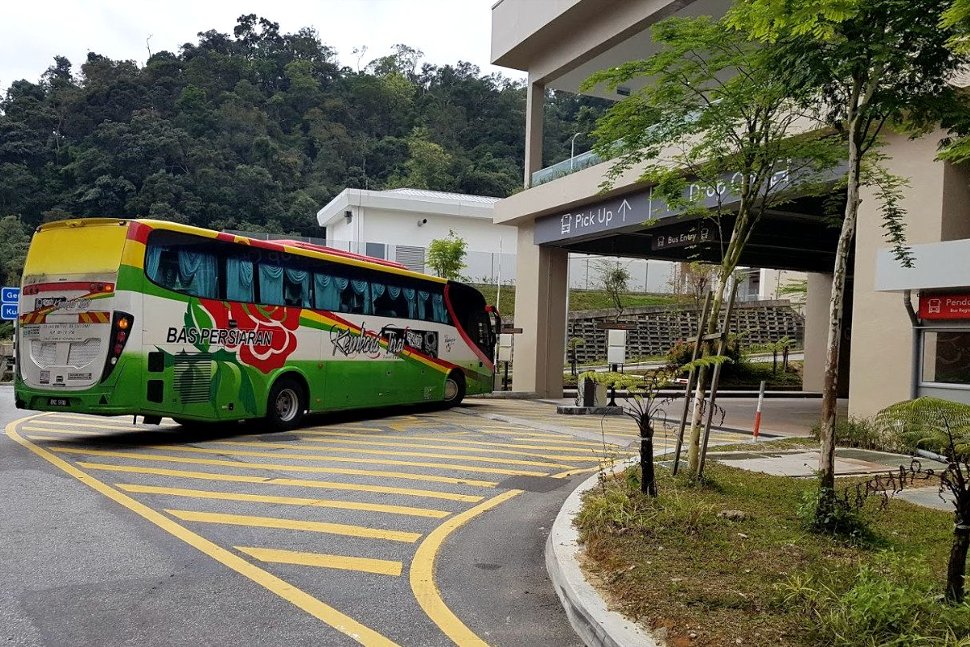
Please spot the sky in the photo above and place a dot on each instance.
(32, 32)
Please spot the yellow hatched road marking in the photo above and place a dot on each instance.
(264, 480)
(296, 524)
(284, 500)
(477, 459)
(63, 432)
(534, 435)
(323, 612)
(422, 574)
(336, 459)
(322, 560)
(556, 447)
(101, 425)
(444, 445)
(272, 466)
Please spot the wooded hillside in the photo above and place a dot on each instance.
(256, 131)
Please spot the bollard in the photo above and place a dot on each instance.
(757, 414)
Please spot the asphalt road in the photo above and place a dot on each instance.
(415, 527)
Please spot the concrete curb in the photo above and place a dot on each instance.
(586, 609)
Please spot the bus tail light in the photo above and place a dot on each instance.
(120, 328)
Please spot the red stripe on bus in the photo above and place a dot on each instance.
(138, 232)
(70, 285)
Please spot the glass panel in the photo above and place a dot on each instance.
(239, 279)
(946, 357)
(271, 284)
(296, 288)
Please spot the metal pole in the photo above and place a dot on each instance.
(757, 414)
(701, 324)
(572, 150)
(716, 378)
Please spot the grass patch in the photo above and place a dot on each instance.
(580, 300)
(674, 564)
(769, 445)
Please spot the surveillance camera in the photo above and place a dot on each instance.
(422, 221)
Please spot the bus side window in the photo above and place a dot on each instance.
(271, 284)
(296, 288)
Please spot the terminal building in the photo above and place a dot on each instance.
(892, 349)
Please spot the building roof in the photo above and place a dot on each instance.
(410, 201)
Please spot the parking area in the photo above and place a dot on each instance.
(346, 519)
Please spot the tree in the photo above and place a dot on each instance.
(711, 115)
(446, 256)
(860, 66)
(14, 240)
(614, 279)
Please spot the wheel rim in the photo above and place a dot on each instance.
(287, 405)
(451, 389)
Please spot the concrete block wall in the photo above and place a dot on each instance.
(659, 328)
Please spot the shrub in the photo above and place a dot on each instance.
(922, 424)
(681, 352)
(832, 516)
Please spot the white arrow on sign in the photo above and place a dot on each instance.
(624, 207)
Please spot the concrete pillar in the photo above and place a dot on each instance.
(534, 103)
(816, 330)
(540, 310)
(882, 356)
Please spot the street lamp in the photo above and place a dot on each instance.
(572, 149)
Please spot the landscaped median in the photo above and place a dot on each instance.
(731, 562)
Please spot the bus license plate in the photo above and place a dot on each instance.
(58, 402)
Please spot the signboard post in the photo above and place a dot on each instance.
(8, 303)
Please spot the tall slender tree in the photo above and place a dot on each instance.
(710, 114)
(859, 66)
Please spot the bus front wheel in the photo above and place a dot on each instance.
(454, 389)
(286, 405)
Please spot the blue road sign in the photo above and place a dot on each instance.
(9, 295)
(8, 311)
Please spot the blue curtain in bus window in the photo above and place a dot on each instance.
(412, 298)
(438, 307)
(152, 262)
(423, 306)
(296, 288)
(239, 279)
(363, 290)
(326, 294)
(197, 272)
(271, 284)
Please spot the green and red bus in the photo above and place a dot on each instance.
(159, 319)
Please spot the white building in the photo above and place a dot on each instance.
(399, 224)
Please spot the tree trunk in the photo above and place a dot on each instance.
(648, 480)
(700, 391)
(826, 466)
(958, 561)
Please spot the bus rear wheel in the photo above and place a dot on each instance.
(454, 389)
(286, 405)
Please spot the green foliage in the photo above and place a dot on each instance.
(14, 239)
(680, 354)
(891, 601)
(446, 256)
(614, 279)
(821, 511)
(924, 423)
(862, 433)
(259, 127)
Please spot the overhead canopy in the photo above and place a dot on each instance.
(935, 266)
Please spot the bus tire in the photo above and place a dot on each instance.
(454, 388)
(287, 403)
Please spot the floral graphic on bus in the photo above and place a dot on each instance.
(263, 336)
